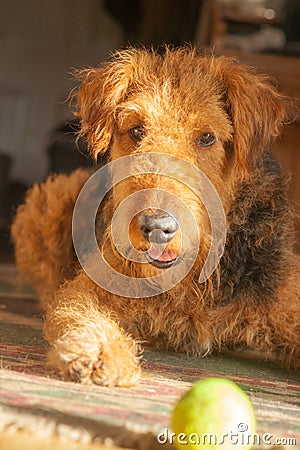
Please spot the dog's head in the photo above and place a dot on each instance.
(249, 100)
(215, 114)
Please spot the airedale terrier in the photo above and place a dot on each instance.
(206, 112)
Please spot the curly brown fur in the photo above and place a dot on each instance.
(251, 299)
(41, 231)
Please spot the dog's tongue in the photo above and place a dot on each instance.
(161, 255)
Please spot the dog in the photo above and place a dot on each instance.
(179, 113)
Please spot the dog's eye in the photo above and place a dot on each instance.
(206, 139)
(137, 133)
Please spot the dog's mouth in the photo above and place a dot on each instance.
(161, 259)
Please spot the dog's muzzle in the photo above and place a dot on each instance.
(159, 228)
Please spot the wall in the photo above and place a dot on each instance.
(40, 41)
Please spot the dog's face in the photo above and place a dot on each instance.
(212, 113)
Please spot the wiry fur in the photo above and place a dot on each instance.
(251, 299)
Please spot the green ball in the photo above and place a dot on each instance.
(214, 414)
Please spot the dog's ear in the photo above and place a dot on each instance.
(256, 109)
(100, 91)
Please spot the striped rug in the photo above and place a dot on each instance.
(33, 398)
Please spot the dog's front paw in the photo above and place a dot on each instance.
(87, 356)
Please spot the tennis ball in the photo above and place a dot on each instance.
(214, 414)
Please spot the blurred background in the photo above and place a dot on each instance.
(41, 41)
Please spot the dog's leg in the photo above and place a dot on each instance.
(88, 345)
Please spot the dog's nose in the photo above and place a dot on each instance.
(158, 227)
